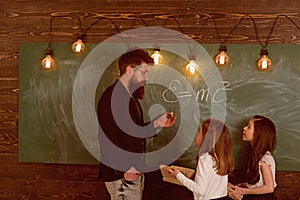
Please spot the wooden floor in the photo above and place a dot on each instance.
(157, 189)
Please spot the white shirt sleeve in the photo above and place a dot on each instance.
(197, 186)
(207, 183)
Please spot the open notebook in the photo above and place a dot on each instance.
(188, 172)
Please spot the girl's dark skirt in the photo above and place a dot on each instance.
(270, 196)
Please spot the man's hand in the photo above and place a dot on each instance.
(165, 120)
(132, 174)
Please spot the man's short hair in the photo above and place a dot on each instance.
(134, 58)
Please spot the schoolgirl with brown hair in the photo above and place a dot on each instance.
(260, 164)
(215, 162)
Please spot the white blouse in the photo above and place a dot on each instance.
(207, 184)
(268, 159)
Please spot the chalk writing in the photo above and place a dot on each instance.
(201, 94)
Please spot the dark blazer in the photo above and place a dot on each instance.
(113, 109)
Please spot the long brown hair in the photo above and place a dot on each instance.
(217, 137)
(264, 139)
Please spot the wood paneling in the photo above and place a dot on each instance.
(28, 21)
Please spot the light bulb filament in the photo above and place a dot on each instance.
(48, 64)
(222, 59)
(191, 67)
(264, 64)
(78, 46)
(157, 57)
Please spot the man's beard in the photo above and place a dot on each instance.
(139, 92)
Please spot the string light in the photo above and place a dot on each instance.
(191, 67)
(157, 57)
(78, 46)
(264, 63)
(48, 62)
(222, 58)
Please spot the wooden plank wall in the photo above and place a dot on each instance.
(28, 21)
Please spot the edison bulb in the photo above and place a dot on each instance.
(157, 57)
(264, 63)
(78, 46)
(222, 59)
(48, 62)
(191, 67)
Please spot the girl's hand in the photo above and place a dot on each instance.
(236, 193)
(173, 171)
(230, 187)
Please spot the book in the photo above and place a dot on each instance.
(188, 172)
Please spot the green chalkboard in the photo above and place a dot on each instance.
(57, 119)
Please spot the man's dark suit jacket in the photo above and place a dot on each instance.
(118, 136)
